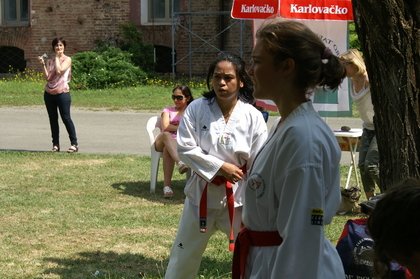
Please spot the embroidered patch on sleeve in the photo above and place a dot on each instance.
(317, 217)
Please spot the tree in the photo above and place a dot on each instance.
(390, 39)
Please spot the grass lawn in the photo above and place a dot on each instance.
(67, 216)
(77, 215)
(142, 98)
(92, 216)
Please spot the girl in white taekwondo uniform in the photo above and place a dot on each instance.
(218, 139)
(293, 188)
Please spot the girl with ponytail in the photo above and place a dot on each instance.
(293, 187)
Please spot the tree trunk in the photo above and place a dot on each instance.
(390, 38)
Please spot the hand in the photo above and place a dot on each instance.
(41, 60)
(59, 53)
(231, 172)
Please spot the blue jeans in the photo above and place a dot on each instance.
(61, 102)
(369, 161)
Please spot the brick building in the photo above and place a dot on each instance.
(196, 30)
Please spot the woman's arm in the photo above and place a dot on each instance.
(44, 67)
(165, 123)
(195, 144)
(60, 68)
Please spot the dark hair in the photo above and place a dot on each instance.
(315, 63)
(55, 41)
(245, 92)
(186, 91)
(395, 227)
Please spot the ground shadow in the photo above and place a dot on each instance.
(211, 268)
(104, 265)
(142, 189)
(127, 265)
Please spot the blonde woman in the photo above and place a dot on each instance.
(360, 93)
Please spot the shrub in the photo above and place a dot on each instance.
(111, 67)
(132, 41)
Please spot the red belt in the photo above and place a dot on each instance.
(220, 180)
(244, 241)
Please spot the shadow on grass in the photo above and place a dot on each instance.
(105, 265)
(211, 268)
(142, 189)
(112, 265)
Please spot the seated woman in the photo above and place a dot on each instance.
(166, 141)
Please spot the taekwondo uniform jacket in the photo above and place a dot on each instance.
(294, 188)
(206, 141)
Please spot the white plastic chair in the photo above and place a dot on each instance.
(153, 129)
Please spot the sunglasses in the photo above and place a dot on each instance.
(177, 97)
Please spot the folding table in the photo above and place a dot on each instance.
(348, 141)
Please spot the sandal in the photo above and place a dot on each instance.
(56, 148)
(167, 192)
(182, 167)
(73, 149)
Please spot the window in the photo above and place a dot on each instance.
(14, 12)
(158, 11)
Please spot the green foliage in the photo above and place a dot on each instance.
(353, 38)
(109, 68)
(23, 76)
(132, 41)
(115, 63)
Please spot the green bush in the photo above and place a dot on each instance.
(132, 41)
(109, 68)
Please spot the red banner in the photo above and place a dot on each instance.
(317, 9)
(254, 9)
